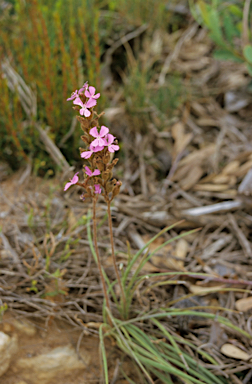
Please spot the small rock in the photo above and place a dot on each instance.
(43, 368)
(24, 327)
(8, 347)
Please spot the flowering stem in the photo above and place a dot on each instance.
(113, 255)
(98, 255)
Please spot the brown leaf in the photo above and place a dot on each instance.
(244, 304)
(181, 250)
(192, 177)
(231, 350)
(201, 291)
(181, 138)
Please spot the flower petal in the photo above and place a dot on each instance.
(86, 154)
(110, 138)
(104, 130)
(87, 113)
(96, 96)
(93, 132)
(88, 171)
(87, 94)
(91, 103)
(97, 148)
(75, 179)
(96, 172)
(95, 143)
(101, 142)
(97, 188)
(78, 101)
(73, 95)
(84, 87)
(92, 90)
(67, 186)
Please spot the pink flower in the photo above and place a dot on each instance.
(97, 188)
(76, 93)
(74, 180)
(90, 173)
(84, 107)
(88, 154)
(91, 93)
(98, 141)
(83, 88)
(111, 147)
(73, 96)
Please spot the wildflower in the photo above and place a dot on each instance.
(73, 95)
(88, 154)
(74, 180)
(111, 147)
(76, 93)
(98, 141)
(84, 111)
(97, 188)
(83, 88)
(91, 93)
(90, 173)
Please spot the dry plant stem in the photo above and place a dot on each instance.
(98, 254)
(113, 254)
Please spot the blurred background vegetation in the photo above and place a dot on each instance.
(53, 47)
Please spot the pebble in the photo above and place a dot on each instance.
(45, 367)
(8, 347)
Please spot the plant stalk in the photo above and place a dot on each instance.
(98, 255)
(113, 256)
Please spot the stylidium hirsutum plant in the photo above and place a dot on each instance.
(98, 175)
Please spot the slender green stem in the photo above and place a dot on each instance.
(98, 255)
(113, 256)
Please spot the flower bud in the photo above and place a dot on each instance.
(85, 139)
(110, 186)
(116, 189)
(98, 162)
(106, 175)
(84, 123)
(106, 158)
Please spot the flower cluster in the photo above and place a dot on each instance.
(89, 102)
(100, 145)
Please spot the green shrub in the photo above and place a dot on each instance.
(229, 26)
(54, 47)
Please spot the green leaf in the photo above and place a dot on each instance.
(104, 356)
(247, 51)
(204, 10)
(223, 54)
(215, 28)
(235, 10)
(229, 28)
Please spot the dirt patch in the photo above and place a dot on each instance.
(35, 339)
